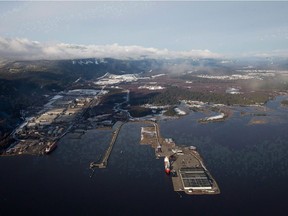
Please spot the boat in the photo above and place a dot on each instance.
(167, 165)
(50, 147)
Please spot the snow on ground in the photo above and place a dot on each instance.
(146, 131)
(154, 106)
(190, 103)
(246, 74)
(110, 79)
(221, 116)
(232, 77)
(233, 91)
(151, 87)
(179, 111)
(77, 80)
(158, 75)
(57, 97)
(83, 92)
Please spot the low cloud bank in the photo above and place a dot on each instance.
(24, 49)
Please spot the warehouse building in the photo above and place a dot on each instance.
(195, 178)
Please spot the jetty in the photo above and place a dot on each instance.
(104, 161)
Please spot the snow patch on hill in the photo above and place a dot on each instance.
(110, 79)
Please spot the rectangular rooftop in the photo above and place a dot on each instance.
(194, 178)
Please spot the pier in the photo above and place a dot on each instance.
(188, 172)
(104, 161)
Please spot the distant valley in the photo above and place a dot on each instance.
(27, 85)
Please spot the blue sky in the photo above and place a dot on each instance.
(228, 28)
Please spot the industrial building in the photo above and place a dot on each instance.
(195, 178)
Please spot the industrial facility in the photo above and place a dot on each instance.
(195, 178)
(39, 134)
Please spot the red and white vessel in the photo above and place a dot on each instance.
(167, 165)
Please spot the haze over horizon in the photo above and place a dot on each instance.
(59, 30)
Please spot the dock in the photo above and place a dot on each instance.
(188, 172)
(104, 161)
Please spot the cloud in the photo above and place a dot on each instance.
(24, 49)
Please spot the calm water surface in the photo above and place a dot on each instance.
(249, 162)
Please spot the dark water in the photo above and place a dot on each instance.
(249, 162)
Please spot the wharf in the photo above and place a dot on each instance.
(188, 171)
(104, 161)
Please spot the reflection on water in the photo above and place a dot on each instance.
(249, 163)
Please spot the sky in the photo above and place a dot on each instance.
(167, 28)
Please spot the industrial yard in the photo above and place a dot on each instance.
(39, 134)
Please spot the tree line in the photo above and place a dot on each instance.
(173, 95)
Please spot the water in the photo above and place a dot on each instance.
(249, 163)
